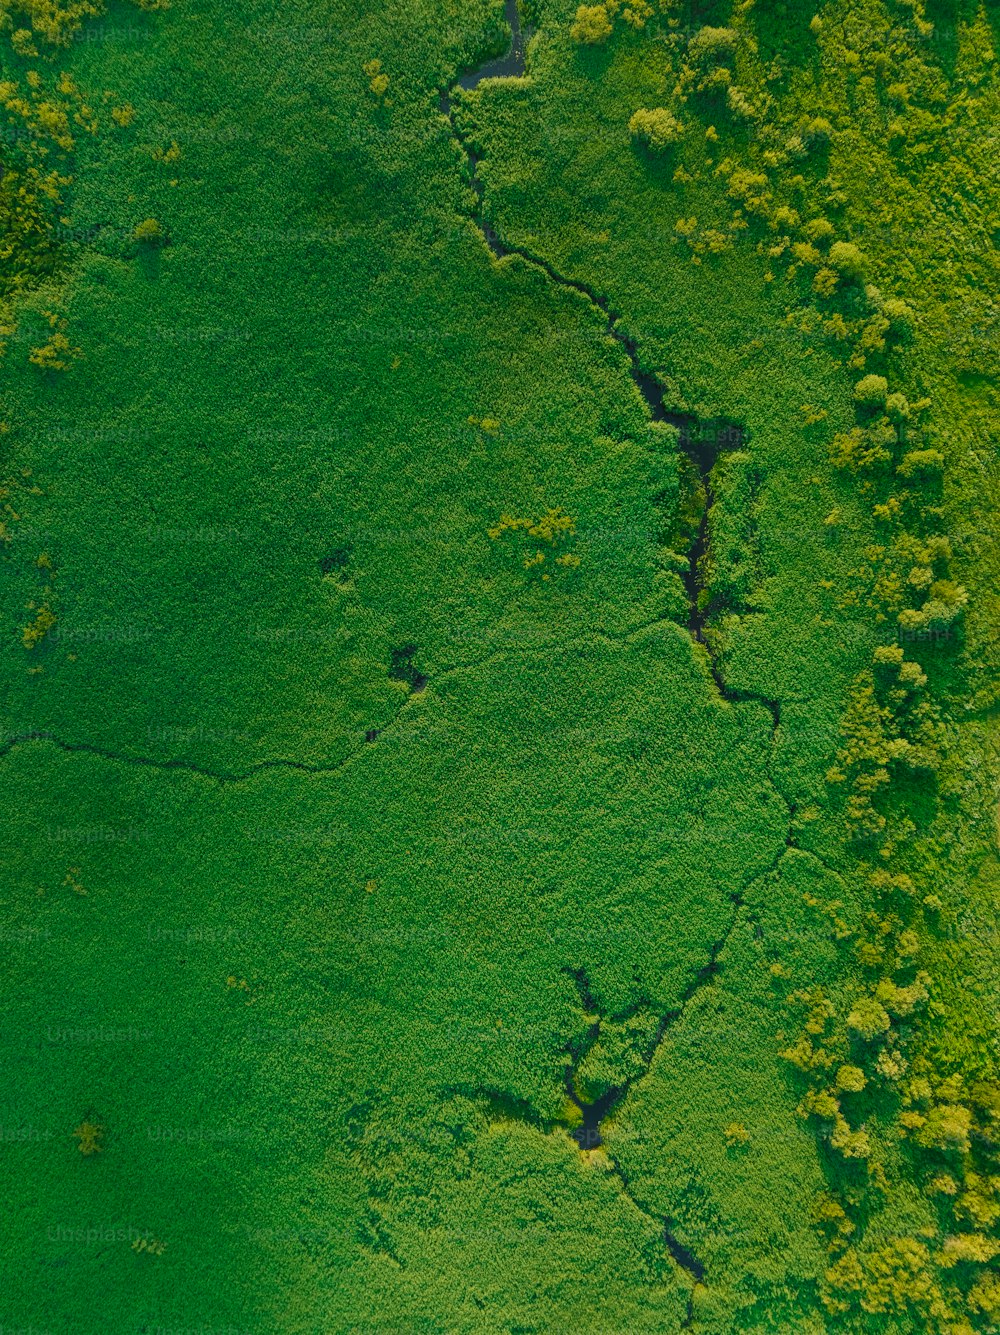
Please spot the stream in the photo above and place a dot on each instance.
(701, 441)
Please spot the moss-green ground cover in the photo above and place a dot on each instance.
(369, 722)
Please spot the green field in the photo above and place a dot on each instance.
(500, 667)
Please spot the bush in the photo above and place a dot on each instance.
(55, 355)
(378, 80)
(591, 25)
(947, 1127)
(149, 232)
(89, 1135)
(36, 631)
(819, 231)
(817, 134)
(739, 104)
(851, 1144)
(900, 316)
(871, 391)
(712, 45)
(851, 1079)
(898, 408)
(921, 461)
(657, 129)
(868, 1018)
(848, 260)
(857, 449)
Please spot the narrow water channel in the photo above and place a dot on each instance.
(700, 441)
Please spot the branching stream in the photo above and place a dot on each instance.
(700, 441)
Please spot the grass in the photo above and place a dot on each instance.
(326, 789)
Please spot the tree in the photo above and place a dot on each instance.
(851, 1079)
(900, 316)
(948, 1126)
(657, 129)
(591, 26)
(89, 1135)
(871, 391)
(712, 44)
(818, 230)
(149, 232)
(848, 260)
(920, 461)
(817, 133)
(868, 1018)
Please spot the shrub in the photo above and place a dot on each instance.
(857, 450)
(890, 1065)
(848, 260)
(739, 104)
(785, 219)
(912, 674)
(900, 1001)
(818, 230)
(37, 630)
(591, 25)
(946, 601)
(55, 355)
(149, 232)
(898, 407)
(900, 316)
(984, 1296)
(851, 1144)
(750, 189)
(974, 1247)
(851, 1079)
(871, 390)
(657, 129)
(817, 133)
(920, 461)
(868, 1018)
(637, 13)
(378, 80)
(947, 1127)
(21, 41)
(805, 253)
(712, 45)
(89, 1135)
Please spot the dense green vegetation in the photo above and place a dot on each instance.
(411, 926)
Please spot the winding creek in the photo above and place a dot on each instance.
(702, 442)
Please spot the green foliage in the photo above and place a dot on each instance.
(712, 45)
(149, 232)
(868, 1018)
(871, 391)
(847, 259)
(571, 788)
(592, 25)
(619, 1055)
(657, 129)
(55, 22)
